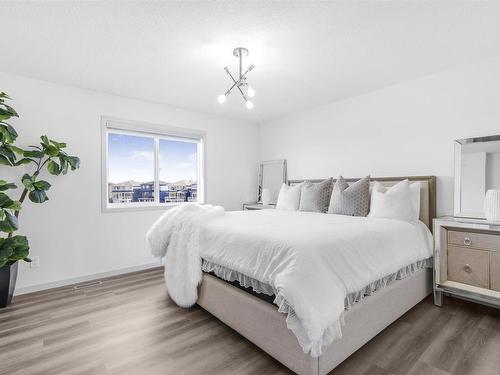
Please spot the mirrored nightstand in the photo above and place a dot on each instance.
(467, 260)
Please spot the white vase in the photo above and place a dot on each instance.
(266, 196)
(492, 205)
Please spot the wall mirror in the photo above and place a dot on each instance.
(477, 169)
(272, 174)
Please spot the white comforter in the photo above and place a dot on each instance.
(311, 260)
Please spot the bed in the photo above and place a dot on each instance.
(260, 321)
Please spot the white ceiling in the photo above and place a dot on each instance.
(306, 53)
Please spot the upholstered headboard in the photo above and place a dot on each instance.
(427, 192)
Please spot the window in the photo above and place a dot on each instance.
(145, 166)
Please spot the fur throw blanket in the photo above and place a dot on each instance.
(176, 236)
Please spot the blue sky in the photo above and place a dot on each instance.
(177, 160)
(131, 158)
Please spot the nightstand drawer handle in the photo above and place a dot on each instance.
(467, 241)
(468, 268)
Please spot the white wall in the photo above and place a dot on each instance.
(406, 129)
(69, 232)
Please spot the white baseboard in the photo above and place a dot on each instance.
(77, 280)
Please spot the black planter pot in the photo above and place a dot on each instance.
(8, 277)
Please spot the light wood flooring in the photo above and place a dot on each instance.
(128, 325)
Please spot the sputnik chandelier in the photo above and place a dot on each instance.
(241, 84)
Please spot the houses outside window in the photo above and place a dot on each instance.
(149, 167)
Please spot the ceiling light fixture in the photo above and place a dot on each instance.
(241, 84)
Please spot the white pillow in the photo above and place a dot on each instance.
(289, 197)
(400, 202)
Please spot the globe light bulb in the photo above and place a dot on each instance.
(250, 92)
(249, 104)
(221, 98)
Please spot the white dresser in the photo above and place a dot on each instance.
(467, 260)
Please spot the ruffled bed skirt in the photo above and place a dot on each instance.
(293, 322)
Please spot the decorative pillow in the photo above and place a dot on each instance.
(316, 197)
(400, 202)
(352, 200)
(289, 197)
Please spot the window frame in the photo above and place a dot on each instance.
(157, 132)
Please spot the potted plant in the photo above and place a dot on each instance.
(49, 155)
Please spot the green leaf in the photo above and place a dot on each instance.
(64, 166)
(7, 112)
(20, 247)
(8, 133)
(4, 95)
(5, 200)
(52, 150)
(74, 162)
(15, 206)
(6, 151)
(4, 185)
(53, 168)
(7, 203)
(38, 196)
(45, 140)
(23, 161)
(41, 185)
(11, 130)
(33, 154)
(59, 145)
(4, 161)
(27, 181)
(9, 223)
(11, 110)
(13, 249)
(17, 150)
(5, 251)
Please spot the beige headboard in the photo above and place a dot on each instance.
(427, 192)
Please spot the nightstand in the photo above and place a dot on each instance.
(258, 206)
(467, 260)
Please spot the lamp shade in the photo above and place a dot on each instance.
(492, 205)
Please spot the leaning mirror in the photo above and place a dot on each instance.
(272, 174)
(477, 171)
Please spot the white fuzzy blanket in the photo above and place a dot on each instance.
(176, 236)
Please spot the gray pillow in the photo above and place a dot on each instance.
(353, 200)
(316, 197)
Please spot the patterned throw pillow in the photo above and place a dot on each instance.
(316, 197)
(353, 200)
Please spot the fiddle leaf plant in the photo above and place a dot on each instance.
(49, 155)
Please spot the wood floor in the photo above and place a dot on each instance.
(127, 325)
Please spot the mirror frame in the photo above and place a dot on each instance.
(261, 174)
(458, 170)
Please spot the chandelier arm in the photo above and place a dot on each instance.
(236, 84)
(249, 68)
